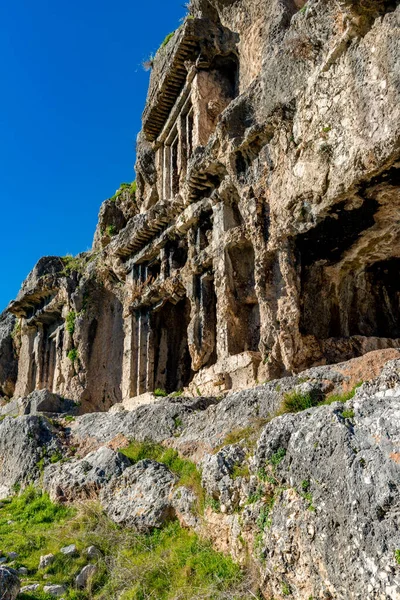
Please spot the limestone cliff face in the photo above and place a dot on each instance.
(263, 237)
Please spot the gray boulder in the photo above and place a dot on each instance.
(217, 475)
(332, 525)
(33, 587)
(9, 584)
(93, 553)
(167, 417)
(38, 402)
(43, 401)
(46, 560)
(55, 590)
(25, 442)
(83, 578)
(141, 497)
(81, 478)
(8, 358)
(70, 550)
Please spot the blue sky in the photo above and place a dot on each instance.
(72, 94)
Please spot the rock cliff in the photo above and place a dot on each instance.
(261, 235)
(259, 247)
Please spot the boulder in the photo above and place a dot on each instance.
(141, 497)
(93, 553)
(25, 444)
(9, 584)
(46, 560)
(33, 587)
(70, 550)
(331, 528)
(44, 401)
(38, 402)
(217, 475)
(81, 478)
(84, 577)
(55, 590)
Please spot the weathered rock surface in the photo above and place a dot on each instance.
(39, 402)
(168, 418)
(9, 584)
(83, 578)
(26, 443)
(140, 497)
(46, 560)
(83, 478)
(342, 462)
(55, 590)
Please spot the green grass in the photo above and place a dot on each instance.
(249, 435)
(176, 394)
(277, 457)
(166, 564)
(343, 397)
(186, 470)
(397, 556)
(131, 187)
(167, 38)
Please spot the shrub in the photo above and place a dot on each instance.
(277, 457)
(73, 264)
(111, 230)
(295, 401)
(348, 414)
(73, 355)
(160, 393)
(70, 322)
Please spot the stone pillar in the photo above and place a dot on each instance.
(143, 331)
(26, 363)
(221, 282)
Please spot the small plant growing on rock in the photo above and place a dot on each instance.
(73, 355)
(296, 401)
(397, 556)
(160, 393)
(277, 457)
(212, 503)
(167, 38)
(348, 414)
(343, 397)
(73, 264)
(286, 589)
(70, 322)
(111, 230)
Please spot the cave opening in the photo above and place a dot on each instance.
(172, 362)
(347, 295)
(244, 325)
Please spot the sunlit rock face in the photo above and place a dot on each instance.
(263, 236)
